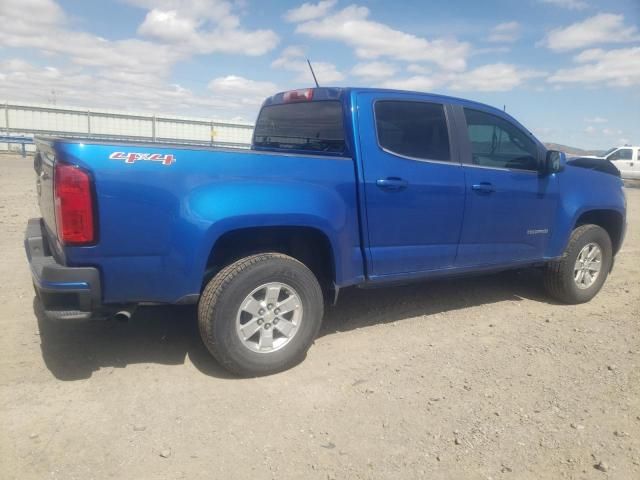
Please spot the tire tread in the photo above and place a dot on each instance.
(208, 304)
(555, 278)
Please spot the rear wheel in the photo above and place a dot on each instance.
(583, 268)
(261, 314)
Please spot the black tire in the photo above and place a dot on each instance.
(559, 278)
(221, 301)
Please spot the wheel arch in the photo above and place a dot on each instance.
(309, 245)
(610, 220)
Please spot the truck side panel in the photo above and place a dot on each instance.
(158, 222)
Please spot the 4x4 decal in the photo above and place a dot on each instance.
(165, 159)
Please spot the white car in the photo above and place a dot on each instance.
(626, 159)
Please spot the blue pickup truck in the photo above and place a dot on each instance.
(341, 187)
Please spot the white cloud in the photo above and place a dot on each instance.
(167, 25)
(203, 27)
(606, 136)
(326, 73)
(49, 12)
(236, 84)
(89, 50)
(418, 69)
(292, 59)
(244, 90)
(419, 83)
(490, 50)
(595, 120)
(495, 77)
(181, 38)
(229, 96)
(599, 29)
(292, 52)
(219, 12)
(543, 131)
(373, 70)
(609, 132)
(372, 40)
(309, 11)
(619, 68)
(505, 32)
(131, 73)
(569, 4)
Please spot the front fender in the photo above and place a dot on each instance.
(582, 191)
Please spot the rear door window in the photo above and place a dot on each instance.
(417, 130)
(309, 126)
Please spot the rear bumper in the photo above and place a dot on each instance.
(66, 293)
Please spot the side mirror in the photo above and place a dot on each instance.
(554, 162)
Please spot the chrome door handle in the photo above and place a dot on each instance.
(392, 183)
(483, 187)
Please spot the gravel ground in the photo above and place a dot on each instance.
(472, 378)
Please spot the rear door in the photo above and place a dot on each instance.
(510, 207)
(413, 183)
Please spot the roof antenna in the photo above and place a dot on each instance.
(313, 73)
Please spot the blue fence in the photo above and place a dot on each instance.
(22, 140)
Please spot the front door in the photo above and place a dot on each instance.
(413, 184)
(510, 207)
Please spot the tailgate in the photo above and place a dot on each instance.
(43, 164)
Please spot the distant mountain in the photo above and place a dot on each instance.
(577, 152)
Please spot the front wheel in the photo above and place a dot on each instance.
(260, 314)
(583, 268)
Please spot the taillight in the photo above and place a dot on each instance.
(305, 95)
(75, 220)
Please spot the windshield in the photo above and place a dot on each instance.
(611, 150)
(313, 126)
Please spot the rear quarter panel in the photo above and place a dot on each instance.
(158, 223)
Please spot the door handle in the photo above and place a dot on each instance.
(483, 187)
(392, 183)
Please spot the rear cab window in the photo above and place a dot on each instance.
(313, 127)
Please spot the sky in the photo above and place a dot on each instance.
(569, 70)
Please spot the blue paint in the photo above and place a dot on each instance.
(63, 285)
(159, 223)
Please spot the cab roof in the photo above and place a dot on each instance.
(342, 93)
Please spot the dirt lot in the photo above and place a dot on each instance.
(472, 378)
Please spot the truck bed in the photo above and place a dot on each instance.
(159, 219)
